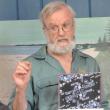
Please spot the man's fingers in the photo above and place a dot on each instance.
(26, 65)
(21, 76)
(23, 69)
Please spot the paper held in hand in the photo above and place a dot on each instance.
(79, 91)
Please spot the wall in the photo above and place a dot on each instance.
(30, 9)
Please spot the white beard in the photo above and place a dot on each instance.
(58, 50)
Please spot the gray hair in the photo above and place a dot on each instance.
(52, 7)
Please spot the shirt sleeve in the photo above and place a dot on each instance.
(104, 101)
(29, 97)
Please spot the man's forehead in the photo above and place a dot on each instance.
(60, 22)
(60, 16)
(61, 11)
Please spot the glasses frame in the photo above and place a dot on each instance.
(53, 28)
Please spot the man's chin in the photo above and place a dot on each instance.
(60, 49)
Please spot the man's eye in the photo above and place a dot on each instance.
(66, 25)
(53, 27)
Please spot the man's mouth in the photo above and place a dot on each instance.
(63, 40)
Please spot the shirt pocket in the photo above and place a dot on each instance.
(47, 82)
(48, 91)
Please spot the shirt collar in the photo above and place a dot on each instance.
(41, 54)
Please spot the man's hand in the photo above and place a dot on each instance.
(21, 75)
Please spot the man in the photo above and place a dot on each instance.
(36, 77)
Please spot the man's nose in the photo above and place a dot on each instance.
(61, 31)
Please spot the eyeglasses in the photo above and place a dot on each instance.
(65, 27)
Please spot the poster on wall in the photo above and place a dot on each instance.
(25, 37)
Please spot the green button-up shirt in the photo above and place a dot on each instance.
(42, 92)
